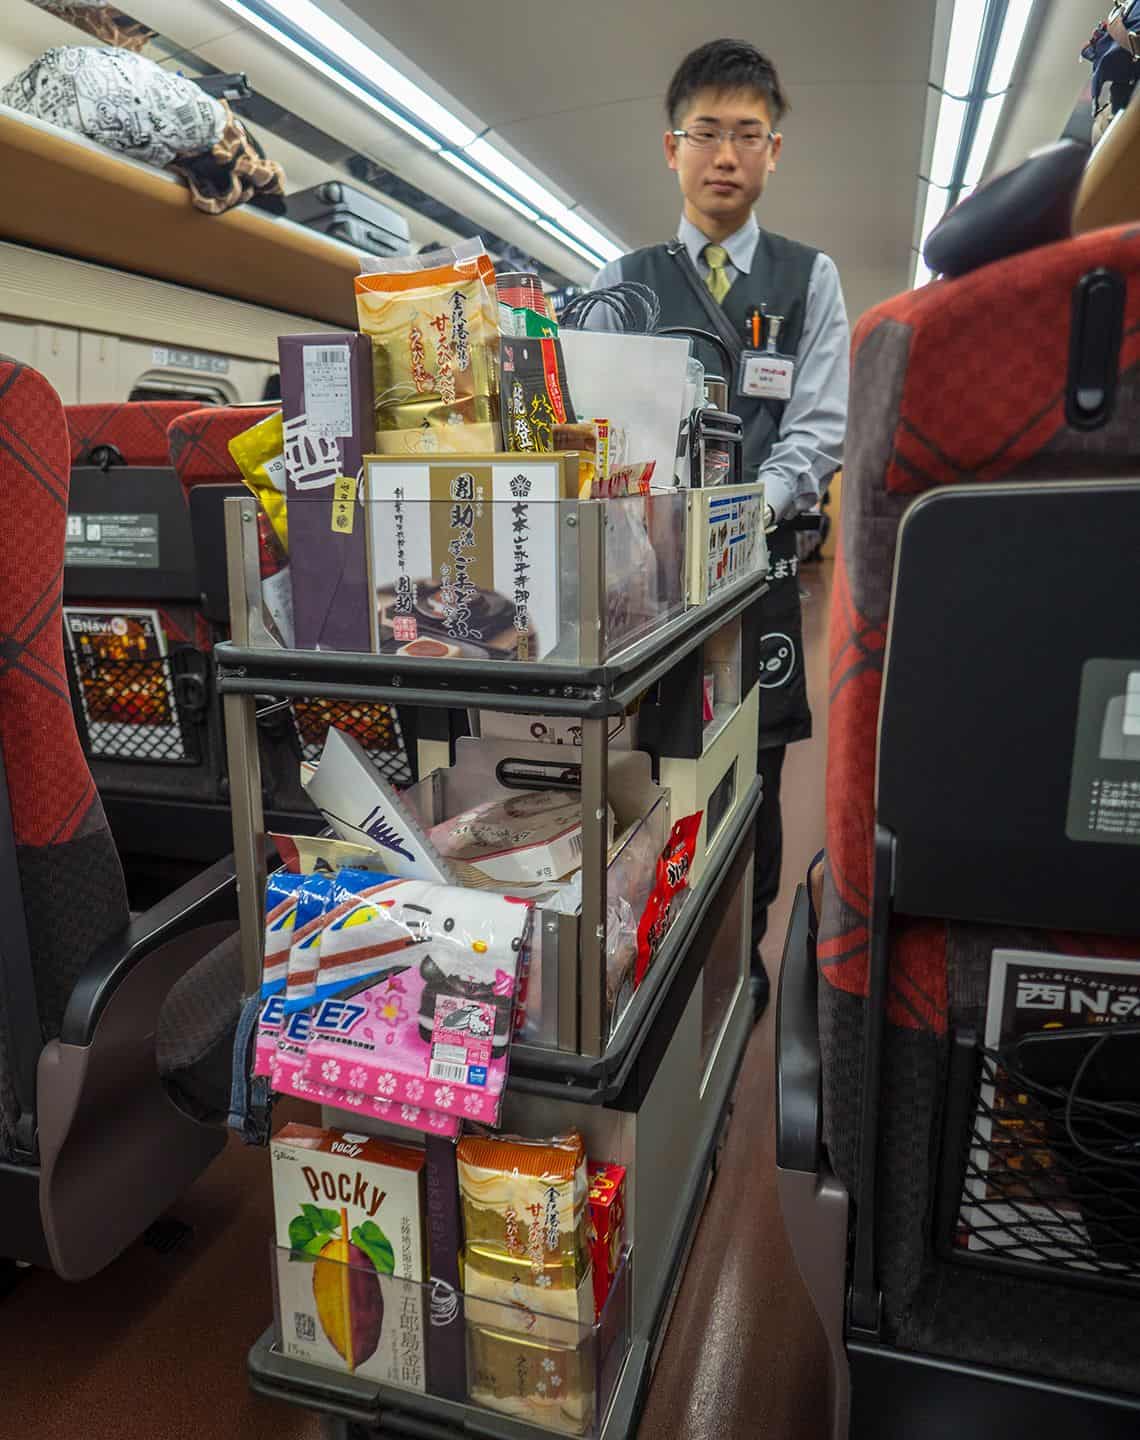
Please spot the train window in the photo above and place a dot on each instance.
(179, 390)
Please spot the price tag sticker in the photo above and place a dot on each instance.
(765, 375)
(344, 504)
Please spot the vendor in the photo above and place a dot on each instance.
(759, 293)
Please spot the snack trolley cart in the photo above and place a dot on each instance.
(649, 1087)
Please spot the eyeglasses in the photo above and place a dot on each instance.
(704, 137)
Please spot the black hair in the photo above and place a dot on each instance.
(725, 65)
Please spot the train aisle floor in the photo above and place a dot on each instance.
(156, 1346)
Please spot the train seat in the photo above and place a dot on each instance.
(991, 493)
(128, 433)
(130, 561)
(116, 1033)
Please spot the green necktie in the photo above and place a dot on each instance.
(716, 258)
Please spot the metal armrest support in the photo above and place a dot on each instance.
(208, 899)
(798, 1074)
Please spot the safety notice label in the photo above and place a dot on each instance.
(1104, 793)
(123, 542)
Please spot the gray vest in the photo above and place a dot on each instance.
(778, 283)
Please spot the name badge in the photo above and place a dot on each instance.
(765, 375)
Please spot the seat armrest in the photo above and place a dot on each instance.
(798, 1074)
(209, 898)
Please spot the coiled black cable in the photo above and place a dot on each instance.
(637, 308)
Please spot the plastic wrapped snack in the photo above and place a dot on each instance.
(434, 325)
(417, 996)
(673, 865)
(347, 1089)
(314, 901)
(535, 395)
(259, 453)
(526, 1199)
(281, 894)
(527, 1279)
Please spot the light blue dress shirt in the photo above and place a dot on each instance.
(809, 448)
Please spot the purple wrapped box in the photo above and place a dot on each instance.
(326, 401)
(447, 1332)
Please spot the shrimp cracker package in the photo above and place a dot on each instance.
(281, 894)
(417, 996)
(434, 325)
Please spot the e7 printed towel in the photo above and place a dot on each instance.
(433, 1029)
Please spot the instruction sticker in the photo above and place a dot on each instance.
(1104, 789)
(328, 390)
(118, 542)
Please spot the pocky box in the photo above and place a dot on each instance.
(326, 397)
(353, 1254)
(281, 894)
(417, 996)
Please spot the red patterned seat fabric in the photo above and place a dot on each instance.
(70, 877)
(959, 382)
(137, 429)
(198, 442)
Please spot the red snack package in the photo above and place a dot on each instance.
(673, 866)
(605, 1227)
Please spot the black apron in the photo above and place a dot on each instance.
(785, 715)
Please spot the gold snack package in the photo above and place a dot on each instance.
(503, 1291)
(536, 1380)
(259, 453)
(434, 324)
(526, 1200)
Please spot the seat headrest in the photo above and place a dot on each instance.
(199, 442)
(136, 429)
(1019, 210)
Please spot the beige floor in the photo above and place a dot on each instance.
(156, 1345)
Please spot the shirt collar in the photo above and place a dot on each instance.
(741, 247)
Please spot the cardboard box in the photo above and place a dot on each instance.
(350, 1306)
(605, 1227)
(326, 401)
(521, 838)
(464, 554)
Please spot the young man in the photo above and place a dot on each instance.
(725, 105)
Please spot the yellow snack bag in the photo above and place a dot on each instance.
(259, 453)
